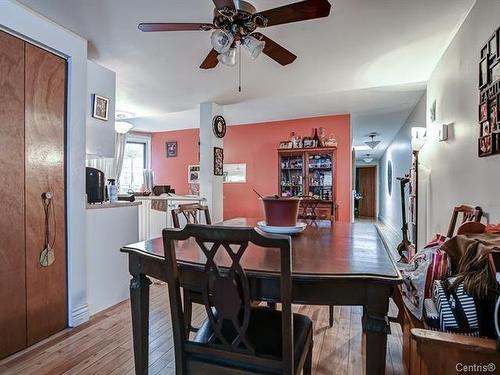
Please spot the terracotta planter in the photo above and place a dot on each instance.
(281, 212)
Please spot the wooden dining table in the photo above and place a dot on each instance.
(332, 264)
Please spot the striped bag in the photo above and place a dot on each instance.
(439, 269)
(457, 310)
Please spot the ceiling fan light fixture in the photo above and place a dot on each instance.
(254, 46)
(372, 144)
(221, 40)
(228, 58)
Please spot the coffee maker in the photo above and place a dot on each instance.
(95, 185)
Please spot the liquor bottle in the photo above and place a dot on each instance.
(316, 138)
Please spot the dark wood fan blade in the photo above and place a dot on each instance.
(219, 4)
(210, 61)
(301, 11)
(276, 52)
(149, 27)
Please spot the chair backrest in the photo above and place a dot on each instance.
(226, 292)
(307, 207)
(469, 213)
(190, 213)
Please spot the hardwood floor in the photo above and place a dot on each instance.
(104, 345)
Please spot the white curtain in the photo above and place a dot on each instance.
(112, 167)
(120, 142)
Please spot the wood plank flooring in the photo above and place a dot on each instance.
(104, 345)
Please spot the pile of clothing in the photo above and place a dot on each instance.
(452, 284)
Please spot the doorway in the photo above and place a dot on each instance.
(366, 180)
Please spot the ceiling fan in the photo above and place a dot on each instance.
(236, 21)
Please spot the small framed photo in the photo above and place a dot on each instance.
(100, 107)
(171, 149)
(484, 51)
(485, 146)
(493, 46)
(498, 111)
(493, 114)
(193, 174)
(308, 143)
(483, 111)
(218, 161)
(495, 72)
(485, 129)
(483, 73)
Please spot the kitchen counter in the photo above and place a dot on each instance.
(97, 206)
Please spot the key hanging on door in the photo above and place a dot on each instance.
(47, 255)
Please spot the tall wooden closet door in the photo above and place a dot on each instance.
(45, 122)
(12, 256)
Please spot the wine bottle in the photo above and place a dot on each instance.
(316, 138)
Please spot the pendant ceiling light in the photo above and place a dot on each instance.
(368, 159)
(222, 41)
(123, 127)
(253, 46)
(372, 144)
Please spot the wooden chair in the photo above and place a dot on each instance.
(190, 213)
(469, 213)
(236, 338)
(308, 206)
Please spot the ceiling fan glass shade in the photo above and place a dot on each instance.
(372, 144)
(222, 41)
(123, 127)
(228, 58)
(253, 46)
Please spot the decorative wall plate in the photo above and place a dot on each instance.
(219, 126)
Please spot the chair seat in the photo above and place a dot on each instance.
(264, 333)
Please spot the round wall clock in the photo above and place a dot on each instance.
(219, 126)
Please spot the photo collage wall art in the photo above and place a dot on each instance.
(489, 87)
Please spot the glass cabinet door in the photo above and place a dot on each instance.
(291, 175)
(320, 175)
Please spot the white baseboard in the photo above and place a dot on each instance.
(79, 316)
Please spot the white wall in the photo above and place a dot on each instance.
(457, 174)
(100, 134)
(109, 229)
(399, 153)
(34, 28)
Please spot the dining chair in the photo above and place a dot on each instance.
(307, 207)
(469, 213)
(236, 337)
(190, 213)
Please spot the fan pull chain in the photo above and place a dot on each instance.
(239, 68)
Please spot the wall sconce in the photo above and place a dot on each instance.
(443, 132)
(418, 137)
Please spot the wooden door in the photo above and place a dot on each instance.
(12, 248)
(45, 172)
(367, 187)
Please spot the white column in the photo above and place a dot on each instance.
(210, 186)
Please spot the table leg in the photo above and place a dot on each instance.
(139, 301)
(376, 327)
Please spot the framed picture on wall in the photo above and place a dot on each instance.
(485, 146)
(483, 111)
(485, 128)
(171, 149)
(483, 73)
(493, 46)
(218, 161)
(100, 107)
(193, 174)
(495, 72)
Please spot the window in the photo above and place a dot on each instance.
(135, 160)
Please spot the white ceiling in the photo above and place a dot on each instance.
(370, 58)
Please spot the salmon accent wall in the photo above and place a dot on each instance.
(174, 171)
(256, 145)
